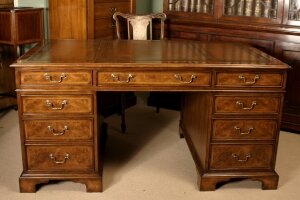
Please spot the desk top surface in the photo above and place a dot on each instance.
(97, 53)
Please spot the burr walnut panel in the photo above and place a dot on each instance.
(61, 129)
(56, 78)
(253, 129)
(79, 158)
(54, 104)
(247, 104)
(241, 156)
(249, 79)
(156, 78)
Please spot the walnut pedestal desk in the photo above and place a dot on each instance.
(233, 97)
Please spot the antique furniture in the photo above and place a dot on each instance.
(6, 3)
(91, 19)
(270, 25)
(233, 99)
(19, 26)
(85, 19)
(139, 27)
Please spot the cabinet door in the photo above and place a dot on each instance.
(290, 54)
(104, 25)
(253, 11)
(67, 19)
(292, 12)
(191, 8)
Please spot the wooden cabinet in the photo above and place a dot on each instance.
(6, 3)
(85, 19)
(19, 26)
(272, 26)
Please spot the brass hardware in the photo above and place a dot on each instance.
(179, 77)
(241, 104)
(256, 77)
(238, 129)
(50, 105)
(51, 130)
(65, 158)
(113, 9)
(117, 78)
(237, 158)
(49, 78)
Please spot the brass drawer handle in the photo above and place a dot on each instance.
(238, 129)
(241, 104)
(117, 78)
(65, 158)
(179, 77)
(237, 158)
(50, 79)
(51, 130)
(113, 9)
(242, 77)
(51, 105)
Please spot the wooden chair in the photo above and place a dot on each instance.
(139, 27)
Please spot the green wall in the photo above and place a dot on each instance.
(157, 5)
(33, 3)
(143, 6)
(149, 6)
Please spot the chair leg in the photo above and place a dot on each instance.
(123, 105)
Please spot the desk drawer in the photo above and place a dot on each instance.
(249, 80)
(54, 104)
(153, 78)
(247, 104)
(241, 156)
(60, 158)
(254, 129)
(56, 78)
(66, 129)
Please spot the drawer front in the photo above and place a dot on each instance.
(66, 129)
(56, 78)
(64, 104)
(244, 129)
(249, 80)
(241, 156)
(104, 10)
(60, 158)
(153, 78)
(247, 104)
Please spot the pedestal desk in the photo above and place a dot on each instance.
(233, 97)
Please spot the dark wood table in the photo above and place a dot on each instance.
(233, 97)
